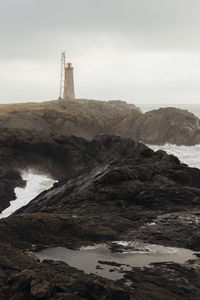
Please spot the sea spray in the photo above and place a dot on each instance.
(35, 184)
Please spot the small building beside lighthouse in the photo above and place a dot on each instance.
(68, 82)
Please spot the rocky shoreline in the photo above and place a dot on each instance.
(109, 188)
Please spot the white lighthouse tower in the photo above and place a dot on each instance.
(69, 82)
(66, 80)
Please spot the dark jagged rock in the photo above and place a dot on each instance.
(9, 180)
(21, 277)
(126, 187)
(111, 263)
(165, 281)
(54, 154)
(112, 189)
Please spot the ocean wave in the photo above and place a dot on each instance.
(186, 154)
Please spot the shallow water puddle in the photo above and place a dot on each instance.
(99, 259)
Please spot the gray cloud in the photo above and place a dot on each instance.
(134, 49)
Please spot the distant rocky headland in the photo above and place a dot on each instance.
(110, 187)
(88, 118)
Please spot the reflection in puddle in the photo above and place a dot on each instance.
(100, 260)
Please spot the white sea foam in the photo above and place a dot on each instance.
(187, 154)
(122, 243)
(92, 247)
(145, 248)
(35, 185)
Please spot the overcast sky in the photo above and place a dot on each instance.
(142, 51)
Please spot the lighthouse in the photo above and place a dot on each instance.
(68, 82)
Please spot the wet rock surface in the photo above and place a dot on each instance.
(126, 192)
(21, 277)
(109, 189)
(164, 281)
(9, 180)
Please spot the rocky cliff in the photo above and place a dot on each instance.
(88, 118)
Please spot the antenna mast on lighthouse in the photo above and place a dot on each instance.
(62, 74)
